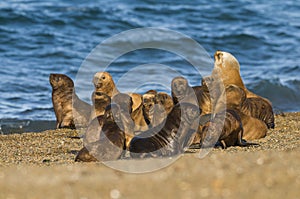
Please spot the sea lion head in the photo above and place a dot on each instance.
(189, 112)
(180, 88)
(149, 101)
(179, 85)
(227, 69)
(165, 100)
(60, 81)
(226, 60)
(103, 82)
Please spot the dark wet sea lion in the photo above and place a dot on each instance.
(172, 138)
(253, 127)
(105, 138)
(260, 109)
(100, 102)
(69, 109)
(228, 134)
(149, 101)
(125, 103)
(156, 107)
(182, 92)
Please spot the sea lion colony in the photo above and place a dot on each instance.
(221, 112)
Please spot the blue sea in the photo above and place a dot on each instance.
(53, 36)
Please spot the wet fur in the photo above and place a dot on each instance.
(167, 140)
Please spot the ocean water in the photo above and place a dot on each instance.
(42, 37)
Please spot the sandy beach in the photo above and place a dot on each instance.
(41, 165)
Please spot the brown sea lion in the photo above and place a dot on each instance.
(105, 138)
(100, 102)
(103, 82)
(69, 109)
(182, 92)
(260, 109)
(149, 101)
(156, 107)
(228, 134)
(125, 102)
(166, 101)
(253, 127)
(172, 139)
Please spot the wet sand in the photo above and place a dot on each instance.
(41, 165)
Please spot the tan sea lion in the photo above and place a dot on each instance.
(171, 139)
(227, 68)
(69, 109)
(105, 137)
(103, 82)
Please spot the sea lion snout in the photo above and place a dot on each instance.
(218, 57)
(100, 78)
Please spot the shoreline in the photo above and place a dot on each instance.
(46, 160)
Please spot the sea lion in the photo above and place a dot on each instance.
(260, 109)
(149, 101)
(156, 107)
(228, 134)
(227, 68)
(125, 102)
(166, 101)
(105, 138)
(254, 128)
(103, 82)
(182, 92)
(69, 109)
(172, 139)
(100, 102)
